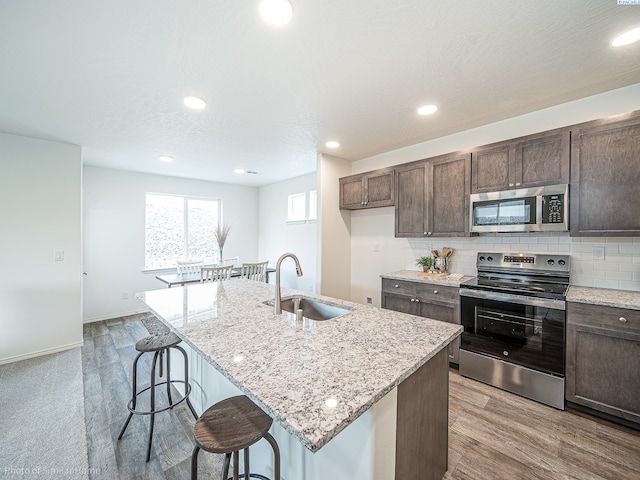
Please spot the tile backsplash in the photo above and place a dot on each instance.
(620, 268)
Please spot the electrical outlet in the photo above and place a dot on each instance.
(369, 301)
(376, 247)
(598, 253)
(125, 296)
(58, 256)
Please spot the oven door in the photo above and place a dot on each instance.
(526, 331)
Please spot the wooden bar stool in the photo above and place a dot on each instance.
(229, 426)
(161, 345)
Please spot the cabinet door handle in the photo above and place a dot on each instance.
(435, 291)
(417, 300)
(622, 320)
(511, 184)
(366, 203)
(413, 300)
(517, 184)
(396, 286)
(428, 233)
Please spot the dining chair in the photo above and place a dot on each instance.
(215, 274)
(254, 271)
(234, 261)
(189, 266)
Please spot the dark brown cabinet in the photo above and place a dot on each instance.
(433, 197)
(603, 359)
(368, 190)
(605, 177)
(531, 161)
(424, 300)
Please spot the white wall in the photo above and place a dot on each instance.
(334, 230)
(620, 270)
(276, 236)
(40, 299)
(114, 229)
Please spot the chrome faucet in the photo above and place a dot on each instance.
(277, 303)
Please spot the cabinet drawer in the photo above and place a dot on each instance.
(401, 287)
(603, 316)
(438, 294)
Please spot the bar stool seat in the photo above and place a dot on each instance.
(229, 426)
(160, 345)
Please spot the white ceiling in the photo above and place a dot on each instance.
(111, 75)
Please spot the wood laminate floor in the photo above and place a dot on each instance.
(493, 434)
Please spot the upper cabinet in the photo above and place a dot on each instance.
(368, 190)
(433, 197)
(531, 161)
(605, 177)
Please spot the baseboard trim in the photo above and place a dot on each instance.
(114, 315)
(26, 356)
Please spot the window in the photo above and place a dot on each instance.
(180, 227)
(297, 207)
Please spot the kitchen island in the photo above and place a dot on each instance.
(362, 396)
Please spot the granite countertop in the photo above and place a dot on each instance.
(604, 296)
(416, 276)
(291, 369)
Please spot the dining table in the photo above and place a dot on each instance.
(172, 279)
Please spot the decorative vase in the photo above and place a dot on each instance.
(221, 257)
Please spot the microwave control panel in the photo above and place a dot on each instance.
(553, 208)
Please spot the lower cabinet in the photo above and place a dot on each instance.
(425, 300)
(603, 359)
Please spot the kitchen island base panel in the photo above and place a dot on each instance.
(423, 421)
(365, 450)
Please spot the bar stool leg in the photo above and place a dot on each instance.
(276, 455)
(153, 402)
(134, 396)
(236, 466)
(246, 464)
(225, 468)
(169, 379)
(194, 463)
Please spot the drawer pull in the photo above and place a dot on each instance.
(413, 299)
(622, 320)
(417, 300)
(435, 292)
(396, 286)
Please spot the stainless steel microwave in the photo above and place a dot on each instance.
(539, 209)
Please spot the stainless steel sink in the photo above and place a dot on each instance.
(311, 308)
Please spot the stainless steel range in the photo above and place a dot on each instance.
(513, 315)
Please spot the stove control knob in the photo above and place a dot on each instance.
(550, 262)
(481, 258)
(489, 259)
(562, 262)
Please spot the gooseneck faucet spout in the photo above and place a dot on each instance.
(277, 303)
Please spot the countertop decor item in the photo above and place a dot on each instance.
(220, 234)
(427, 262)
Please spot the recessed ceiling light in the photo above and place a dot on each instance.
(238, 170)
(165, 158)
(332, 144)
(627, 37)
(195, 103)
(276, 12)
(427, 109)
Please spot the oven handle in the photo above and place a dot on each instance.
(509, 297)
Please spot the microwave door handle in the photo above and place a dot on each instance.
(539, 210)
